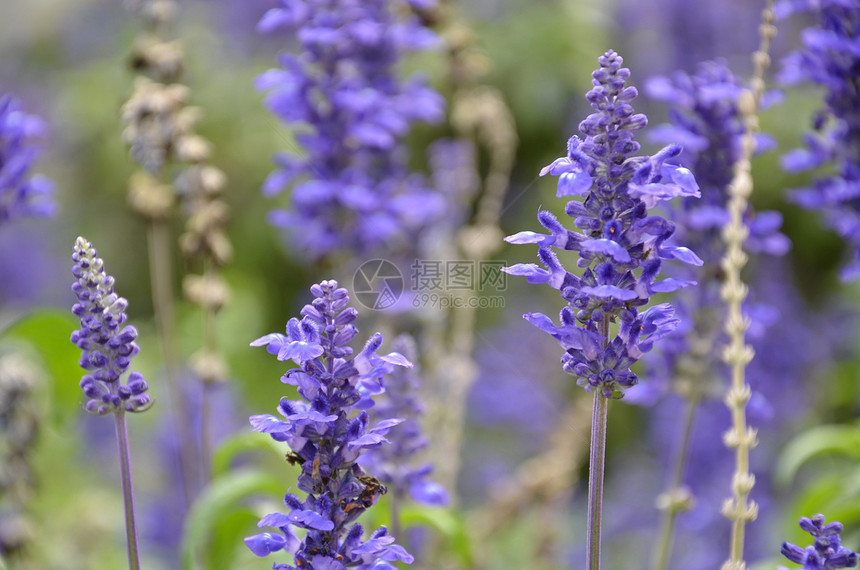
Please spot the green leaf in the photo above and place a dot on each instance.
(216, 504)
(826, 495)
(234, 445)
(226, 543)
(447, 522)
(839, 439)
(47, 332)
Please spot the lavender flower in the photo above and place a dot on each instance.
(826, 553)
(831, 59)
(326, 442)
(617, 239)
(671, 35)
(106, 346)
(352, 184)
(106, 353)
(392, 463)
(705, 118)
(21, 194)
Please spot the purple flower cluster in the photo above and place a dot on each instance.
(392, 463)
(830, 58)
(705, 119)
(106, 346)
(21, 194)
(326, 442)
(620, 246)
(827, 553)
(352, 184)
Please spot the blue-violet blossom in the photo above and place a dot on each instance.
(107, 346)
(705, 118)
(352, 185)
(326, 441)
(827, 553)
(830, 58)
(21, 194)
(392, 463)
(620, 246)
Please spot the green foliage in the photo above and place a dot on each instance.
(842, 440)
(46, 334)
(218, 521)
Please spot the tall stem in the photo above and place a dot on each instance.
(597, 459)
(661, 560)
(158, 238)
(739, 508)
(599, 415)
(395, 516)
(209, 347)
(127, 490)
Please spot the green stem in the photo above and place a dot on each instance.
(599, 416)
(127, 490)
(395, 517)
(667, 533)
(209, 343)
(205, 436)
(158, 238)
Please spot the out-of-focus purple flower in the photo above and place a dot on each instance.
(830, 58)
(326, 441)
(667, 35)
(704, 116)
(393, 463)
(620, 246)
(705, 119)
(352, 186)
(827, 553)
(106, 346)
(780, 396)
(21, 193)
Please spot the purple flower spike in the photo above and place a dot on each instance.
(705, 115)
(827, 553)
(327, 439)
(830, 58)
(107, 346)
(394, 464)
(620, 246)
(351, 184)
(21, 193)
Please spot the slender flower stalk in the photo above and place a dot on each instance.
(480, 119)
(159, 129)
(107, 348)
(740, 509)
(327, 440)
(827, 553)
(481, 113)
(596, 463)
(620, 248)
(704, 114)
